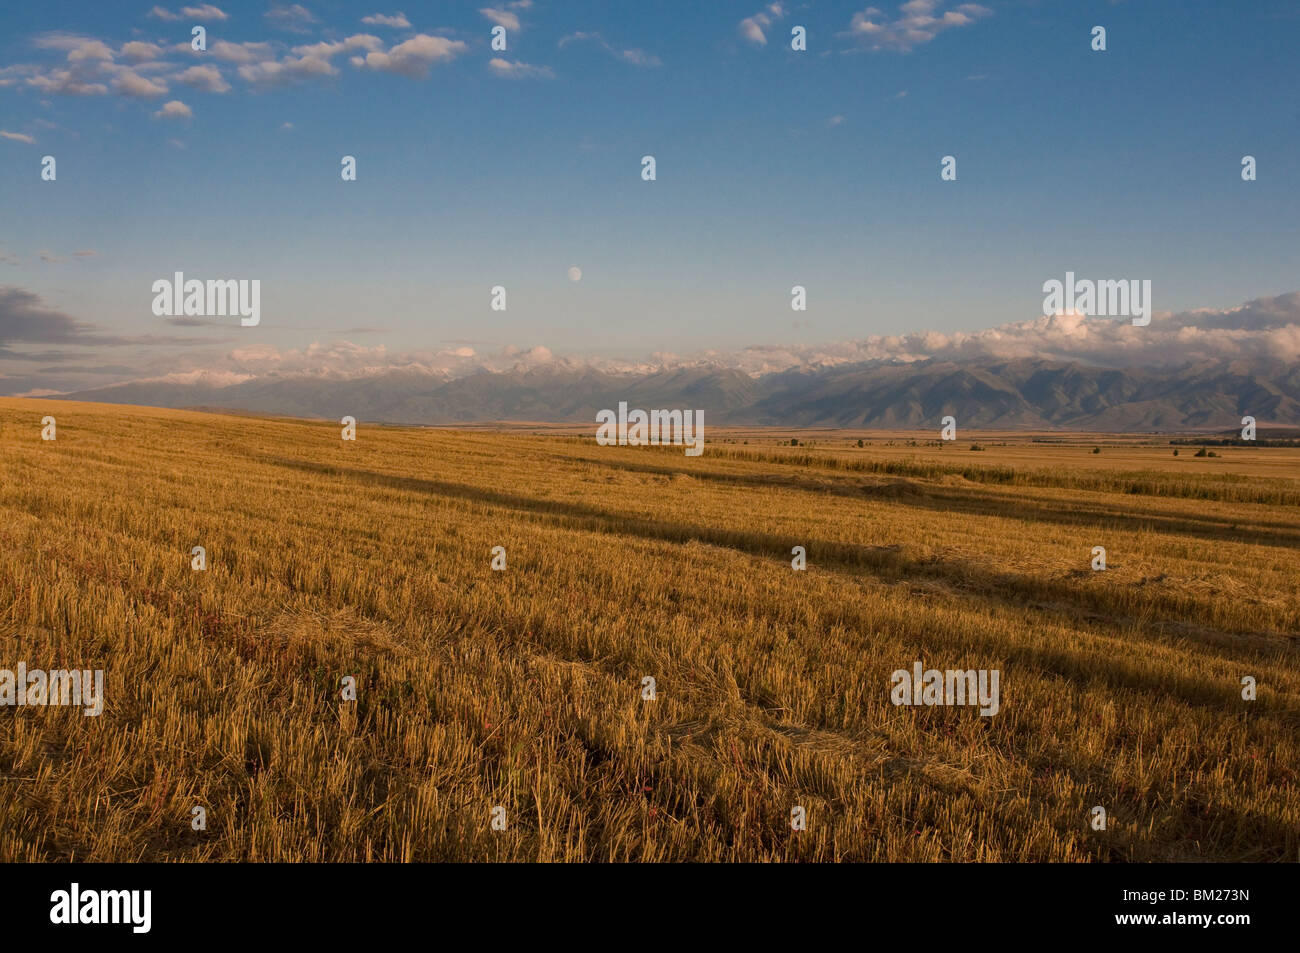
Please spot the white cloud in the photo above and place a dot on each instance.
(66, 82)
(18, 137)
(397, 21)
(1263, 329)
(361, 41)
(61, 40)
(288, 70)
(138, 51)
(917, 23)
(239, 52)
(92, 50)
(175, 109)
(634, 56)
(206, 78)
(1266, 329)
(751, 28)
(519, 70)
(132, 84)
(416, 56)
(501, 17)
(294, 18)
(205, 11)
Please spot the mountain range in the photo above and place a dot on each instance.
(1024, 393)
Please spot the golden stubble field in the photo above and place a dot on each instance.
(522, 688)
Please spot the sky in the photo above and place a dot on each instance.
(476, 168)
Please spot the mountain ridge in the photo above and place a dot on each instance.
(1015, 394)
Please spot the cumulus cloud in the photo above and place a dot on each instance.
(205, 11)
(66, 82)
(175, 109)
(87, 66)
(397, 21)
(138, 51)
(501, 17)
(1265, 329)
(751, 28)
(287, 70)
(93, 50)
(132, 84)
(416, 56)
(205, 78)
(90, 67)
(361, 41)
(917, 23)
(240, 52)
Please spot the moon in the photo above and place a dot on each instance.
(575, 273)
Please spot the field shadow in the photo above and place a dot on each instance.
(963, 578)
(977, 502)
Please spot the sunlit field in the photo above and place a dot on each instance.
(522, 688)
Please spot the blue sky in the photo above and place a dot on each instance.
(775, 167)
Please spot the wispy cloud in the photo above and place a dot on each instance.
(17, 136)
(517, 70)
(501, 17)
(203, 12)
(628, 55)
(752, 27)
(295, 17)
(504, 15)
(241, 52)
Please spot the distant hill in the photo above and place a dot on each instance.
(1006, 394)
